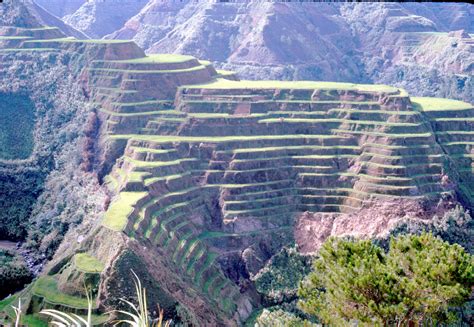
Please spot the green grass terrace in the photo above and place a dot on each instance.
(297, 85)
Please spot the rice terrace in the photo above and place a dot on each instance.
(144, 182)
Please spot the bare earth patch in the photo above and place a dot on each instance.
(373, 220)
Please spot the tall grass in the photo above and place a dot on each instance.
(62, 319)
(17, 313)
(137, 316)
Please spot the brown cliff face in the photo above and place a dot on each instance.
(373, 221)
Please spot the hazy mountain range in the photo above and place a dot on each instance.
(403, 44)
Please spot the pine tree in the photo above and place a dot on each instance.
(419, 280)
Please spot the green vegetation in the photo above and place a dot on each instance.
(165, 217)
(134, 114)
(390, 135)
(159, 58)
(87, 263)
(217, 139)
(14, 273)
(438, 104)
(278, 281)
(150, 164)
(142, 103)
(150, 150)
(301, 85)
(6, 303)
(223, 72)
(137, 176)
(33, 321)
(14, 37)
(293, 147)
(164, 71)
(138, 315)
(17, 118)
(420, 280)
(116, 216)
(73, 40)
(280, 318)
(152, 180)
(47, 288)
(66, 319)
(42, 28)
(455, 226)
(335, 120)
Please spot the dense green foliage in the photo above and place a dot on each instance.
(278, 281)
(281, 318)
(419, 280)
(19, 189)
(13, 273)
(43, 197)
(455, 226)
(17, 120)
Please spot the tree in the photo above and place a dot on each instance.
(278, 281)
(419, 280)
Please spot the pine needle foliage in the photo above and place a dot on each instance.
(418, 281)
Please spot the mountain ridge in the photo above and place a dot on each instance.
(197, 183)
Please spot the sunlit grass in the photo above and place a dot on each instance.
(303, 85)
(436, 104)
(158, 58)
(116, 216)
(87, 263)
(46, 287)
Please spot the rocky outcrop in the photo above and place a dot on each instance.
(97, 18)
(256, 35)
(374, 221)
(422, 54)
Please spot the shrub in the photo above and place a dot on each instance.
(455, 226)
(280, 318)
(420, 280)
(278, 280)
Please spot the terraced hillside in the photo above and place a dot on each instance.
(207, 173)
(453, 124)
(260, 151)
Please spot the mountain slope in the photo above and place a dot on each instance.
(29, 14)
(97, 18)
(403, 44)
(61, 8)
(345, 42)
